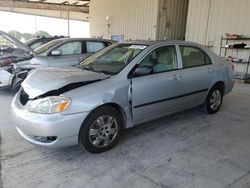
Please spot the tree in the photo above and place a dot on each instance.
(27, 36)
(42, 33)
(16, 34)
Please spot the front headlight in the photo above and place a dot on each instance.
(48, 105)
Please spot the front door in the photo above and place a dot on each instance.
(156, 94)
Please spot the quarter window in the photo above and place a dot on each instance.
(193, 56)
(161, 59)
(71, 48)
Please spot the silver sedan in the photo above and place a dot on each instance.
(121, 86)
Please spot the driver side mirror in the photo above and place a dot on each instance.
(142, 71)
(56, 52)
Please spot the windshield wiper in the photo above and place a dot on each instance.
(91, 68)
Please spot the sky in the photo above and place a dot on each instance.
(54, 26)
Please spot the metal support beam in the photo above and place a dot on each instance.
(42, 5)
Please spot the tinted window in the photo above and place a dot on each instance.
(192, 56)
(71, 48)
(94, 46)
(161, 59)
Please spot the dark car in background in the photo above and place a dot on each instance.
(38, 41)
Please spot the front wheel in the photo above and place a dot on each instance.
(101, 130)
(214, 100)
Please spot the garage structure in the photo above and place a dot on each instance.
(189, 149)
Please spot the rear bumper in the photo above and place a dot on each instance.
(229, 86)
(36, 128)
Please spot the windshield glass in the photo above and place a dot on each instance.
(47, 46)
(6, 45)
(112, 59)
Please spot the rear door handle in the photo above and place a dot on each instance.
(81, 58)
(210, 71)
(176, 77)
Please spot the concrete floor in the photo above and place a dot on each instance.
(189, 149)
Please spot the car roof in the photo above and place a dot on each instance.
(85, 39)
(159, 42)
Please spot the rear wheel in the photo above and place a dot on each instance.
(101, 130)
(214, 100)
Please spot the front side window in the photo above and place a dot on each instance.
(113, 59)
(161, 59)
(93, 47)
(71, 48)
(193, 56)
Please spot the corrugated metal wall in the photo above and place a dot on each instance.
(208, 20)
(135, 19)
(172, 17)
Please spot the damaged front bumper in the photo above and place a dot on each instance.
(48, 130)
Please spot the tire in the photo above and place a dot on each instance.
(101, 130)
(214, 99)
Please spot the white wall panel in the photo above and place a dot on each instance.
(135, 19)
(206, 24)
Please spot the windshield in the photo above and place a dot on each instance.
(7, 45)
(47, 46)
(112, 59)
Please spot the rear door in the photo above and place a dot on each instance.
(157, 93)
(197, 74)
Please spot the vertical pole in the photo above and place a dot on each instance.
(35, 25)
(68, 22)
(68, 19)
(246, 75)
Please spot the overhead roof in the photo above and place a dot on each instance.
(77, 3)
(79, 9)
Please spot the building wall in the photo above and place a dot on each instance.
(172, 17)
(135, 19)
(208, 20)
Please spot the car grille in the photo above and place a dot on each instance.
(24, 97)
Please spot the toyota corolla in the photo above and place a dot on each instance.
(121, 86)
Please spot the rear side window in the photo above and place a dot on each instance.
(193, 57)
(38, 44)
(93, 47)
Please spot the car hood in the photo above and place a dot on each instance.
(16, 42)
(42, 81)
